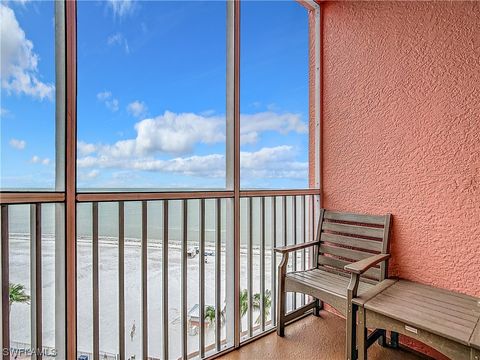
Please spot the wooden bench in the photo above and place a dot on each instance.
(444, 320)
(349, 247)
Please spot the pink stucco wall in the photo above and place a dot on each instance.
(401, 130)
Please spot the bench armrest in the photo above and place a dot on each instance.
(290, 248)
(361, 266)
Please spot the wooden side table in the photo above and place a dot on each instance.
(447, 321)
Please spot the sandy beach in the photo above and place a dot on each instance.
(108, 270)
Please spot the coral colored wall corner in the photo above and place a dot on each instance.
(401, 130)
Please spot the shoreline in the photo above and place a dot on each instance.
(154, 243)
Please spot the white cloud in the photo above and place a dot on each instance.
(168, 133)
(121, 8)
(104, 95)
(84, 148)
(268, 163)
(251, 125)
(209, 165)
(118, 40)
(93, 174)
(174, 133)
(19, 63)
(110, 102)
(177, 134)
(273, 162)
(88, 175)
(38, 160)
(115, 39)
(4, 112)
(113, 105)
(17, 144)
(137, 108)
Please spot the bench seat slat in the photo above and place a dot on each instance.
(353, 229)
(324, 276)
(340, 264)
(329, 281)
(345, 252)
(351, 241)
(321, 279)
(358, 218)
(316, 284)
(346, 276)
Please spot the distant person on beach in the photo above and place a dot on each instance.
(133, 331)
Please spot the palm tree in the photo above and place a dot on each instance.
(243, 302)
(267, 304)
(210, 314)
(17, 294)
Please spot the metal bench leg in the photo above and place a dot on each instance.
(351, 340)
(318, 307)
(281, 296)
(394, 340)
(361, 335)
(382, 340)
(281, 312)
(351, 350)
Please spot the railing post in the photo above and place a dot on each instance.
(218, 273)
(274, 261)
(284, 234)
(121, 279)
(184, 278)
(262, 263)
(250, 266)
(201, 274)
(95, 283)
(165, 280)
(144, 247)
(294, 234)
(5, 255)
(71, 177)
(302, 222)
(36, 277)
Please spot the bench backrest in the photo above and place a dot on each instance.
(348, 237)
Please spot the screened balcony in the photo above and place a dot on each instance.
(154, 153)
(145, 228)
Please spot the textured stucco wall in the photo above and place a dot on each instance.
(401, 130)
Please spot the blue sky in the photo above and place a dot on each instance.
(151, 94)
